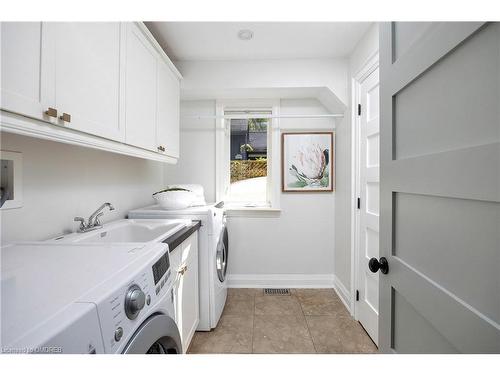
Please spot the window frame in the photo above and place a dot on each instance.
(223, 156)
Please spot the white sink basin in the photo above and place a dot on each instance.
(128, 230)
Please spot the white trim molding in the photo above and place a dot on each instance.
(343, 293)
(281, 281)
(252, 212)
(18, 124)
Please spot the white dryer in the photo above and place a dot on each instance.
(87, 298)
(213, 248)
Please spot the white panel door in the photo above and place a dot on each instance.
(440, 188)
(168, 110)
(369, 211)
(141, 86)
(21, 70)
(87, 75)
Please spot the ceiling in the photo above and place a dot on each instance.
(271, 40)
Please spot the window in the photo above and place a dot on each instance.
(246, 153)
(248, 161)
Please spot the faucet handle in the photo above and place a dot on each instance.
(82, 222)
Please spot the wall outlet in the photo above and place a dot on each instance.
(11, 180)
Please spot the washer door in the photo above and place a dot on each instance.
(158, 334)
(221, 254)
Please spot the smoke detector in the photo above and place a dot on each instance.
(245, 34)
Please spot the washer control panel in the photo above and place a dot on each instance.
(160, 267)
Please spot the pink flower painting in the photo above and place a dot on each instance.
(308, 161)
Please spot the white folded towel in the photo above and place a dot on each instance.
(198, 191)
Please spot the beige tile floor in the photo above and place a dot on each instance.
(307, 321)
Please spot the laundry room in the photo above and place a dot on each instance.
(226, 165)
(248, 185)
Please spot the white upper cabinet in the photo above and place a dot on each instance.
(167, 135)
(86, 84)
(105, 85)
(152, 97)
(21, 69)
(140, 102)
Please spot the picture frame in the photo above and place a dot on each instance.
(308, 162)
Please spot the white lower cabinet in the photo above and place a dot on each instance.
(184, 261)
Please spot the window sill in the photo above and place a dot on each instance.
(239, 211)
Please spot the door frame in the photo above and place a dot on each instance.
(357, 79)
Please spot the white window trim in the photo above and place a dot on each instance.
(273, 157)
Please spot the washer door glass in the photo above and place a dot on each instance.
(221, 255)
(157, 335)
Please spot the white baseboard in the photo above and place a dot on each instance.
(343, 293)
(281, 281)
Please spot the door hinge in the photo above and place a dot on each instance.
(357, 295)
(359, 203)
(359, 109)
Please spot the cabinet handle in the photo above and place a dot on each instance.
(51, 112)
(65, 117)
(183, 270)
(161, 148)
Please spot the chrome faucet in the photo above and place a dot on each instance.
(94, 221)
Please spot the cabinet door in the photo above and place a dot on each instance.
(21, 83)
(188, 295)
(87, 75)
(168, 110)
(140, 103)
(175, 264)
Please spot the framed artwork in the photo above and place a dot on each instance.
(307, 162)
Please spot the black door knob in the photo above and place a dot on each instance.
(374, 265)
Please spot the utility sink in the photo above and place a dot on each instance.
(128, 230)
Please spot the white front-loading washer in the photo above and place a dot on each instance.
(87, 298)
(213, 290)
(136, 306)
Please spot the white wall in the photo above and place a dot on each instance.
(366, 48)
(63, 181)
(196, 163)
(295, 247)
(300, 242)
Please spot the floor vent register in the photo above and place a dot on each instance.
(277, 292)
